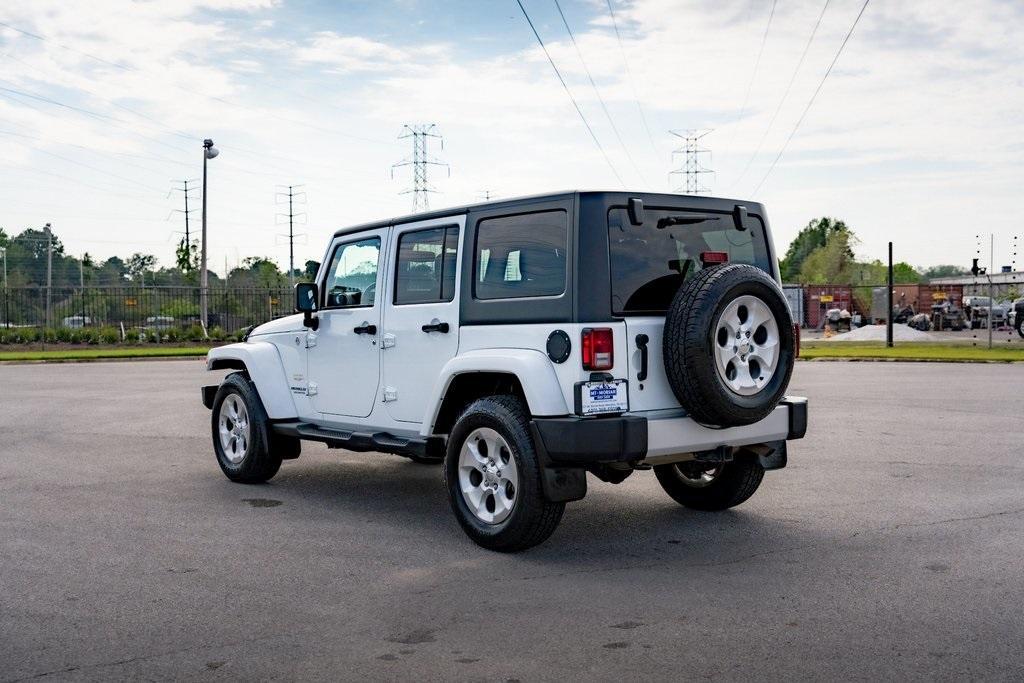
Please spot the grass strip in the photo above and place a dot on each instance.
(956, 353)
(103, 354)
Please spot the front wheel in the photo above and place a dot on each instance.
(244, 450)
(1020, 324)
(493, 477)
(710, 487)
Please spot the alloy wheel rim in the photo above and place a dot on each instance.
(488, 476)
(746, 345)
(234, 428)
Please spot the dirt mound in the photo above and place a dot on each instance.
(877, 333)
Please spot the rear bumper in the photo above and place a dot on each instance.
(578, 441)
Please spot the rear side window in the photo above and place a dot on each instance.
(650, 262)
(426, 266)
(521, 256)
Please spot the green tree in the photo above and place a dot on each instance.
(945, 271)
(138, 264)
(832, 262)
(814, 236)
(186, 257)
(310, 272)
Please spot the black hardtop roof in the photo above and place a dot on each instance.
(613, 196)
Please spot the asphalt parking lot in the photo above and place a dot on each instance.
(891, 547)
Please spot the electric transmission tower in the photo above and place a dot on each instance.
(420, 161)
(292, 198)
(692, 169)
(185, 190)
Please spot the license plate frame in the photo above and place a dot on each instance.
(604, 397)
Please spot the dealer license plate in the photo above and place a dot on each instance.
(604, 397)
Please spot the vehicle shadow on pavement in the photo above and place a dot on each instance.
(634, 521)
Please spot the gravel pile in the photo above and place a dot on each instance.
(877, 333)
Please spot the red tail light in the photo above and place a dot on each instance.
(713, 258)
(597, 348)
(796, 340)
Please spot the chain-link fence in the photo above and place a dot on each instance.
(156, 308)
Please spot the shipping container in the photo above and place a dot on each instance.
(820, 298)
(919, 298)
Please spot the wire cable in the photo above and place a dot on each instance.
(785, 95)
(813, 96)
(597, 92)
(569, 93)
(757, 65)
(632, 82)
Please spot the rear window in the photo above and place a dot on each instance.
(521, 256)
(649, 263)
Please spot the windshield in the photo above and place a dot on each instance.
(649, 262)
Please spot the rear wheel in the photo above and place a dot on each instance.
(710, 487)
(1020, 324)
(240, 433)
(493, 476)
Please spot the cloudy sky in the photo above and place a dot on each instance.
(916, 135)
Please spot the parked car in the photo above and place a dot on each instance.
(1016, 316)
(525, 343)
(76, 322)
(159, 322)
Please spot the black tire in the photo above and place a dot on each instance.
(733, 484)
(690, 338)
(533, 518)
(1020, 324)
(259, 462)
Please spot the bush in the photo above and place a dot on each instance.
(193, 333)
(75, 337)
(49, 335)
(91, 336)
(170, 335)
(110, 335)
(132, 336)
(63, 334)
(218, 334)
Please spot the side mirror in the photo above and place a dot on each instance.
(306, 296)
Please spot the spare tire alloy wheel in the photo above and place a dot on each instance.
(746, 345)
(729, 346)
(488, 477)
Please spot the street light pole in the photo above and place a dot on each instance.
(209, 152)
(49, 271)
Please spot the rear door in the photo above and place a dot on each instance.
(649, 263)
(421, 319)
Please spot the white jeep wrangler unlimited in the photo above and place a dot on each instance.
(523, 343)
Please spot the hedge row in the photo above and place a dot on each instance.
(112, 335)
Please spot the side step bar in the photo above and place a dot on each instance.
(362, 441)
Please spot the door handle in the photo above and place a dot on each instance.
(436, 326)
(365, 328)
(641, 343)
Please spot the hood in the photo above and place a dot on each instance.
(291, 323)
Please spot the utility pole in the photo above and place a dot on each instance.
(185, 190)
(691, 169)
(292, 196)
(209, 152)
(991, 301)
(419, 161)
(888, 298)
(49, 271)
(7, 320)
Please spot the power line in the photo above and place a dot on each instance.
(597, 93)
(569, 93)
(813, 96)
(785, 95)
(185, 189)
(757, 65)
(632, 82)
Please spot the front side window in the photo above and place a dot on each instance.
(521, 256)
(425, 271)
(352, 274)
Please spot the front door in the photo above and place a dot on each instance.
(344, 353)
(421, 323)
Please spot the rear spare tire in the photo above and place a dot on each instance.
(729, 345)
